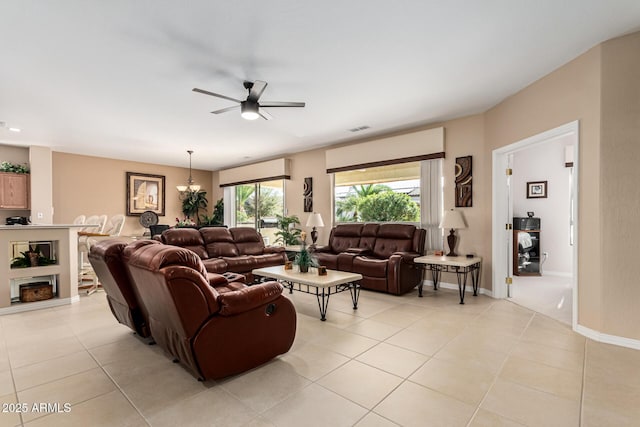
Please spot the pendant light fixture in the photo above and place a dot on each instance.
(191, 187)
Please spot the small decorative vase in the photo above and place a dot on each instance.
(304, 268)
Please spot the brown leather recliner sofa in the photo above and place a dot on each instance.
(221, 249)
(382, 253)
(108, 260)
(212, 334)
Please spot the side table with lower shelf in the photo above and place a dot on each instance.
(460, 265)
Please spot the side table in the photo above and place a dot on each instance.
(460, 265)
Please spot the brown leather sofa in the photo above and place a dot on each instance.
(107, 259)
(212, 334)
(382, 253)
(221, 249)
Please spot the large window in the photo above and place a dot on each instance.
(256, 206)
(380, 194)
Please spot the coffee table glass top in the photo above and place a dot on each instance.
(311, 278)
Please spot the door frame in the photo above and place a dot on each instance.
(501, 252)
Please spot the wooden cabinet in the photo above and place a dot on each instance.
(526, 246)
(14, 190)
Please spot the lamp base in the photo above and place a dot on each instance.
(314, 237)
(452, 240)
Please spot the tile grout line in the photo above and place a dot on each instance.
(112, 380)
(495, 377)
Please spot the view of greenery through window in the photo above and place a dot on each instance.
(382, 194)
(257, 206)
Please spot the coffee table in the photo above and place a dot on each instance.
(311, 283)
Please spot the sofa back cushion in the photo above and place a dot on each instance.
(368, 237)
(393, 238)
(345, 236)
(248, 240)
(219, 242)
(188, 238)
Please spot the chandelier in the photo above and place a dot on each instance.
(190, 187)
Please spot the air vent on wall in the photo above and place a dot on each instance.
(359, 128)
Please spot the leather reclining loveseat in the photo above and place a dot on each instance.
(214, 327)
(382, 253)
(221, 249)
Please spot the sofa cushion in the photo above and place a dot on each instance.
(267, 260)
(218, 242)
(215, 265)
(188, 238)
(368, 236)
(345, 236)
(247, 240)
(393, 238)
(240, 264)
(327, 259)
(372, 267)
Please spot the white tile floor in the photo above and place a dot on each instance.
(405, 361)
(546, 294)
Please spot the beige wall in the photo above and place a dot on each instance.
(620, 191)
(94, 185)
(601, 82)
(570, 93)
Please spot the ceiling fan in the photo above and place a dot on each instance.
(250, 108)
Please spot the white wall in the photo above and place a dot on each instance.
(546, 162)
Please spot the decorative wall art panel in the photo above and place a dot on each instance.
(308, 194)
(464, 182)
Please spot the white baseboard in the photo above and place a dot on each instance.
(37, 305)
(447, 285)
(608, 339)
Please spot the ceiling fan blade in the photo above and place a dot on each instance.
(265, 115)
(206, 92)
(256, 90)
(224, 110)
(282, 104)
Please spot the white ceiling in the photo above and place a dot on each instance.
(114, 78)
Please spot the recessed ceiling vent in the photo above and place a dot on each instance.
(359, 128)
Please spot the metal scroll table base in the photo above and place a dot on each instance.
(461, 273)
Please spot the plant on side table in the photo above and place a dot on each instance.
(304, 259)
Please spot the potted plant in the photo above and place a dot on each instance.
(287, 233)
(31, 258)
(304, 259)
(217, 216)
(193, 202)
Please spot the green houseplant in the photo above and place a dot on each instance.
(193, 203)
(11, 167)
(217, 216)
(287, 233)
(304, 259)
(31, 258)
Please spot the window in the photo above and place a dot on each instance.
(256, 206)
(380, 194)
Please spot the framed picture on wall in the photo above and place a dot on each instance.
(145, 192)
(536, 190)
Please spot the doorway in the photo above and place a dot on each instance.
(550, 287)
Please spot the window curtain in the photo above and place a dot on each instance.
(431, 203)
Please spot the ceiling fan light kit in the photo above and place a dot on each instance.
(250, 109)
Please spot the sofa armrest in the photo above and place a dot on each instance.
(323, 248)
(249, 298)
(216, 279)
(405, 256)
(273, 249)
(359, 251)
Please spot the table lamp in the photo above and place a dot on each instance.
(452, 220)
(315, 220)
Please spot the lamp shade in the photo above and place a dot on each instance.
(315, 220)
(453, 220)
